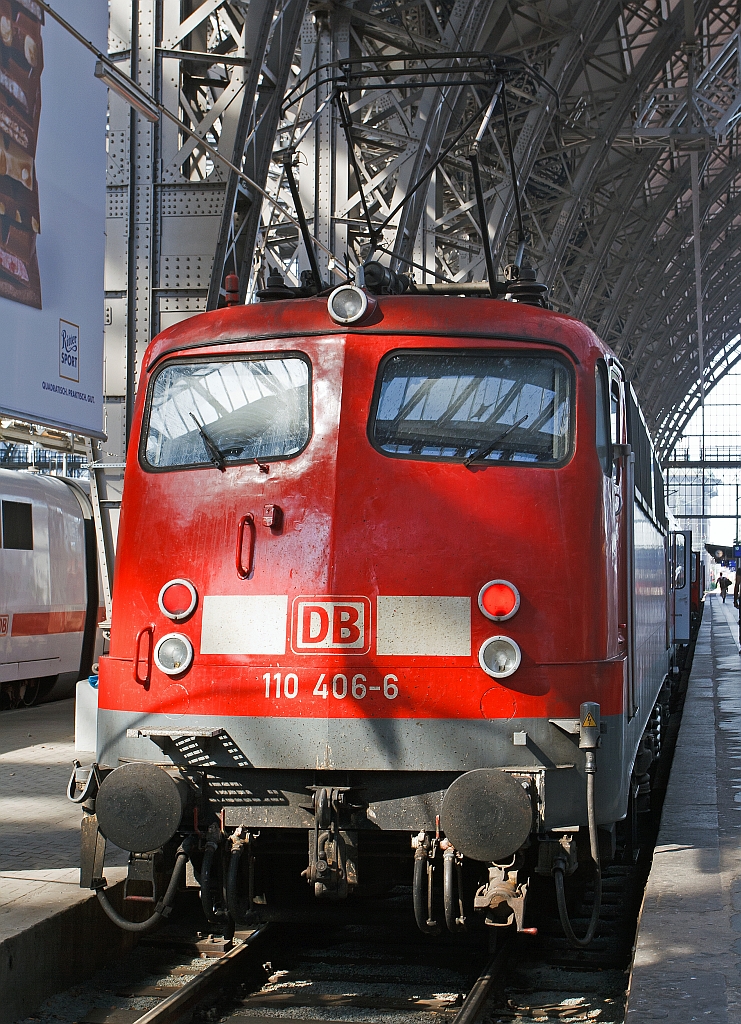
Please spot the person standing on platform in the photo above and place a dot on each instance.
(724, 583)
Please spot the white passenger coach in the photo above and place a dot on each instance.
(48, 587)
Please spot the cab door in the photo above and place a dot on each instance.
(624, 494)
(681, 557)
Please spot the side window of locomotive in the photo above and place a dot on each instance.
(602, 419)
(227, 411)
(484, 407)
(615, 425)
(679, 575)
(17, 525)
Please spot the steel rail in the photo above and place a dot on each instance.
(474, 1002)
(185, 997)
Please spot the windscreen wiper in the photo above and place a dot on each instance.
(215, 453)
(485, 449)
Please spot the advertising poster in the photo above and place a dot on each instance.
(52, 215)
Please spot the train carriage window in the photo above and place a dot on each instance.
(17, 525)
(227, 411)
(603, 419)
(484, 407)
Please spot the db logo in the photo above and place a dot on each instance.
(331, 624)
(4, 624)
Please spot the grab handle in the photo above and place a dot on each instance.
(246, 524)
(143, 680)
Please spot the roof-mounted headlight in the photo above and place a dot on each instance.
(349, 304)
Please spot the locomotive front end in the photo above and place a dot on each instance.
(351, 627)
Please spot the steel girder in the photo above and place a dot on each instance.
(607, 211)
(674, 303)
(254, 135)
(724, 314)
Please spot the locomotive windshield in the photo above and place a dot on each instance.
(485, 407)
(227, 411)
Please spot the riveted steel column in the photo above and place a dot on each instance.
(141, 201)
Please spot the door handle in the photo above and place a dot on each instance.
(246, 525)
(143, 680)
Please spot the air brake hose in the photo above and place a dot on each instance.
(215, 916)
(91, 787)
(454, 917)
(236, 911)
(559, 866)
(422, 891)
(162, 909)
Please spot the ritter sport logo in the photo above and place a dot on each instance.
(331, 624)
(69, 350)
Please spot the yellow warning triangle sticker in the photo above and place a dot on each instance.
(589, 722)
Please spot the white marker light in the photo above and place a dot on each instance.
(173, 654)
(500, 656)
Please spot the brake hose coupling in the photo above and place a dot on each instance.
(589, 736)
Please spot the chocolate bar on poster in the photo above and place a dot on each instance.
(16, 163)
(21, 59)
(21, 35)
(33, 9)
(19, 204)
(22, 88)
(16, 128)
(19, 268)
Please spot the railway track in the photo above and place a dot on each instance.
(351, 974)
(388, 981)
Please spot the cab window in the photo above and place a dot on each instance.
(474, 407)
(227, 411)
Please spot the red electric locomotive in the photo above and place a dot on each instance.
(390, 570)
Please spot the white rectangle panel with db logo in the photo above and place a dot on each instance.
(254, 624)
(432, 626)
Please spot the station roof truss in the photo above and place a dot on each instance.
(359, 100)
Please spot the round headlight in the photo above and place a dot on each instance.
(499, 656)
(177, 599)
(173, 654)
(499, 600)
(347, 304)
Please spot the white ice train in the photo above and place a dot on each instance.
(48, 587)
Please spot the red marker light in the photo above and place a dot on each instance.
(177, 599)
(499, 600)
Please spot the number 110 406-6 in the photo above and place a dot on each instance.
(279, 685)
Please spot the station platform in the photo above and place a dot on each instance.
(687, 964)
(50, 930)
